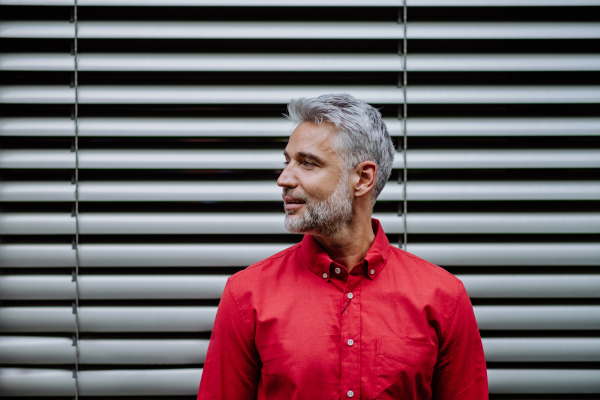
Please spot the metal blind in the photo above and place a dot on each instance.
(141, 140)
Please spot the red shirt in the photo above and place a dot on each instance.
(298, 326)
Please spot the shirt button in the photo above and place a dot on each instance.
(325, 276)
(337, 270)
(350, 393)
(350, 295)
(350, 342)
(372, 271)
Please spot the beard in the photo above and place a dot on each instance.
(322, 217)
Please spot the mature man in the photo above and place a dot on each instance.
(343, 313)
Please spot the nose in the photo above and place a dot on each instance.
(287, 178)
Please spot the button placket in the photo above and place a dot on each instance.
(350, 329)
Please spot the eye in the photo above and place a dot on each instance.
(307, 163)
(286, 163)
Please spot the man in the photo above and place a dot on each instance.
(343, 314)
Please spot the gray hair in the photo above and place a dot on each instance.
(362, 134)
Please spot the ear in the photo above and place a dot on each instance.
(365, 175)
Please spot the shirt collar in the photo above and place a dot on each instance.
(319, 261)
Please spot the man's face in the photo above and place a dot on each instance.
(315, 187)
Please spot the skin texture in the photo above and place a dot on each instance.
(313, 169)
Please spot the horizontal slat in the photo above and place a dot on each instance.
(502, 62)
(218, 255)
(298, 62)
(36, 61)
(282, 94)
(136, 255)
(39, 255)
(205, 255)
(532, 286)
(502, 30)
(152, 287)
(37, 2)
(269, 191)
(221, 127)
(37, 191)
(194, 191)
(503, 222)
(273, 159)
(28, 159)
(503, 190)
(503, 126)
(108, 94)
(37, 319)
(149, 223)
(37, 94)
(140, 383)
(37, 29)
(507, 254)
(278, 127)
(299, 30)
(42, 382)
(107, 319)
(514, 158)
(143, 351)
(194, 319)
(272, 223)
(42, 287)
(541, 349)
(36, 382)
(310, 3)
(37, 224)
(147, 382)
(544, 380)
(205, 62)
(37, 350)
(55, 350)
(210, 30)
(222, 3)
(253, 62)
(96, 287)
(37, 127)
(502, 94)
(51, 350)
(537, 317)
(488, 3)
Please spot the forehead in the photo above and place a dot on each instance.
(313, 138)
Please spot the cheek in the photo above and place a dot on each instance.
(319, 185)
(320, 192)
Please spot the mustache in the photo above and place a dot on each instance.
(290, 192)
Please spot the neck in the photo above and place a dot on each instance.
(349, 246)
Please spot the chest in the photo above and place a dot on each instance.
(350, 336)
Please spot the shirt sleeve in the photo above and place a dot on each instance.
(460, 371)
(232, 367)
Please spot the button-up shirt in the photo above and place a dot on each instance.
(300, 326)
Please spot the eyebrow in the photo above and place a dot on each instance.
(307, 155)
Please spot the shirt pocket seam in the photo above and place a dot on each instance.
(401, 344)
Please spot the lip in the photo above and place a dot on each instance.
(293, 206)
(291, 203)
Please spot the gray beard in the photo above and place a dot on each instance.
(322, 217)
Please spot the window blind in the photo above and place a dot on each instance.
(141, 140)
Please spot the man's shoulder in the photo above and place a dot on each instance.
(262, 269)
(421, 270)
